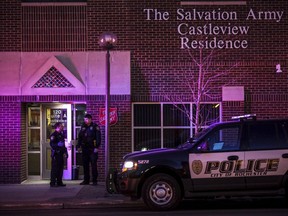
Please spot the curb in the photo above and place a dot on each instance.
(10, 206)
(70, 205)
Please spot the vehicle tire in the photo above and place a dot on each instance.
(161, 192)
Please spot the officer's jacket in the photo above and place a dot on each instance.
(57, 143)
(89, 136)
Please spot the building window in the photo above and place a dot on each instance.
(59, 26)
(163, 125)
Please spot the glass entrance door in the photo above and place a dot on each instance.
(34, 141)
(53, 113)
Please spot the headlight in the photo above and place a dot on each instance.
(129, 165)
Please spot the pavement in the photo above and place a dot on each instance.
(39, 194)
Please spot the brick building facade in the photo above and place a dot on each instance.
(160, 37)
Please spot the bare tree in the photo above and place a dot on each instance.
(206, 78)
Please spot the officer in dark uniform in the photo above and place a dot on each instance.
(58, 152)
(89, 140)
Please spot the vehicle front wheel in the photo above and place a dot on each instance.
(161, 192)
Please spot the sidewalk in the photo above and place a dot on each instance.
(38, 194)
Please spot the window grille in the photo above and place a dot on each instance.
(57, 27)
(53, 79)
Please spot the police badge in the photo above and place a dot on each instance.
(197, 166)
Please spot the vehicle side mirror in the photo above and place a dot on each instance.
(203, 147)
(191, 140)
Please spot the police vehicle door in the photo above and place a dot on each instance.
(217, 161)
(267, 154)
(56, 113)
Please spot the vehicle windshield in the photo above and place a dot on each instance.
(201, 133)
(192, 140)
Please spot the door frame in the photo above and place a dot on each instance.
(45, 142)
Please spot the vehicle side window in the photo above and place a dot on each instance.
(283, 134)
(224, 139)
(264, 135)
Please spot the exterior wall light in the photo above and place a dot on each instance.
(278, 68)
(107, 40)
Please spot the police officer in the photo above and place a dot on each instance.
(58, 152)
(89, 140)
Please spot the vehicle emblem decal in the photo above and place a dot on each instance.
(197, 166)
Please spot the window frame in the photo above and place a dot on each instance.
(162, 127)
(220, 130)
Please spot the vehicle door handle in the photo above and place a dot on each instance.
(233, 157)
(285, 155)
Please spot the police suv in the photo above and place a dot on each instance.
(244, 157)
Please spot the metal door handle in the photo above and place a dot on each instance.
(233, 157)
(285, 155)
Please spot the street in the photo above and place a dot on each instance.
(235, 207)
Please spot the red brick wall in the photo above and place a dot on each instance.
(232, 108)
(10, 141)
(159, 66)
(270, 106)
(23, 137)
(10, 22)
(120, 133)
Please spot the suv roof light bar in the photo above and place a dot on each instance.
(244, 117)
